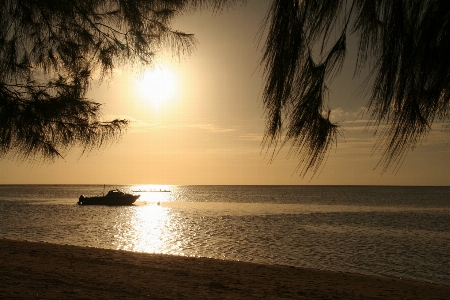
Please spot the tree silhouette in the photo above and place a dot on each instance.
(50, 50)
(404, 43)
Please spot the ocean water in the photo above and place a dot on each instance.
(400, 232)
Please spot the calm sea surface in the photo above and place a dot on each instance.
(401, 232)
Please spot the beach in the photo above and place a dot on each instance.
(30, 270)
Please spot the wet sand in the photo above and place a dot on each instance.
(46, 271)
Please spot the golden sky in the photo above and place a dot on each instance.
(205, 124)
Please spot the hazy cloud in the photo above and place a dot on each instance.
(209, 127)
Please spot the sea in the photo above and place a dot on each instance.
(392, 231)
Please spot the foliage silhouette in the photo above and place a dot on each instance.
(404, 43)
(50, 50)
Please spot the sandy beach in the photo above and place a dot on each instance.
(31, 270)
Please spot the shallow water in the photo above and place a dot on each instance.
(401, 232)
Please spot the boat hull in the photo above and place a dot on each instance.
(105, 200)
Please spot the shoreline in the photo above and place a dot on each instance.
(31, 270)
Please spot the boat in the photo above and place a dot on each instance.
(114, 197)
(152, 191)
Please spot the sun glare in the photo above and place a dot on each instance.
(157, 86)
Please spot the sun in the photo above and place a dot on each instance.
(157, 85)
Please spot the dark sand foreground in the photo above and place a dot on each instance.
(46, 271)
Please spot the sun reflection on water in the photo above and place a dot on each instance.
(149, 225)
(146, 228)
